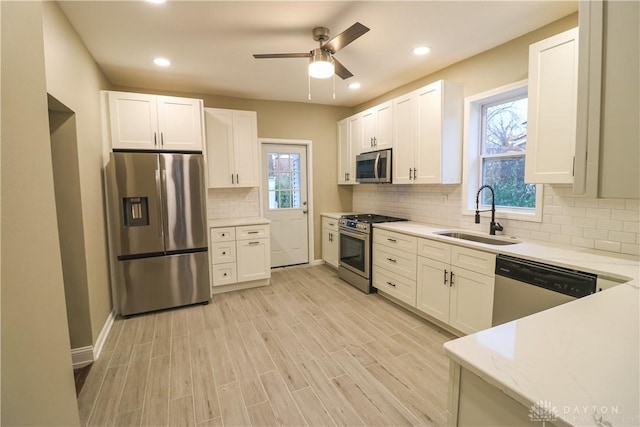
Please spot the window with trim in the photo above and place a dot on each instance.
(495, 145)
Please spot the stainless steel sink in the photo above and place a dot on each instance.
(489, 240)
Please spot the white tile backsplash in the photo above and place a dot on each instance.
(225, 203)
(606, 224)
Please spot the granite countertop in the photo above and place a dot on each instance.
(233, 222)
(583, 357)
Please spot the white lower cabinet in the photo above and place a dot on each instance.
(240, 254)
(394, 265)
(330, 241)
(455, 285)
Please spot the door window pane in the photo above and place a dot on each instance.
(284, 180)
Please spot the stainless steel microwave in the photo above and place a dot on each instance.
(374, 166)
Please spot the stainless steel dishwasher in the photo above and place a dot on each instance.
(526, 287)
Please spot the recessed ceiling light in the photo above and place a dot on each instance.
(162, 62)
(354, 86)
(421, 50)
(156, 1)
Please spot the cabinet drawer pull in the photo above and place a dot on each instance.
(332, 224)
(391, 284)
(392, 240)
(391, 260)
(445, 277)
(253, 232)
(254, 243)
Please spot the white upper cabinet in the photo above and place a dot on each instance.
(377, 128)
(346, 160)
(232, 148)
(427, 143)
(150, 122)
(551, 127)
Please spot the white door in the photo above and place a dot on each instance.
(285, 182)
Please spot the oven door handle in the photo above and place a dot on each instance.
(355, 235)
(375, 167)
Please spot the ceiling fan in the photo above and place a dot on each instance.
(322, 63)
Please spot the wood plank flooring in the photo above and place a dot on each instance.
(307, 350)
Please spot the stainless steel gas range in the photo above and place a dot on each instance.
(355, 248)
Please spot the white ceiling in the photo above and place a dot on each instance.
(211, 42)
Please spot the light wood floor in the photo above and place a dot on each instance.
(307, 350)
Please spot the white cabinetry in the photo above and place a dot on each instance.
(455, 285)
(346, 158)
(150, 122)
(330, 241)
(427, 141)
(232, 148)
(240, 254)
(377, 128)
(553, 91)
(394, 265)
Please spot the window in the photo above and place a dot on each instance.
(495, 145)
(284, 180)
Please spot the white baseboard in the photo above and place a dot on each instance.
(104, 333)
(317, 262)
(81, 357)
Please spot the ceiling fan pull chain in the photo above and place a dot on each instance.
(309, 83)
(334, 86)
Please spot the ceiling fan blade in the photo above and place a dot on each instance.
(281, 55)
(341, 70)
(345, 37)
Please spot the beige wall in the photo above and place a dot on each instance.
(75, 80)
(37, 378)
(66, 179)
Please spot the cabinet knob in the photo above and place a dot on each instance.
(224, 253)
(225, 274)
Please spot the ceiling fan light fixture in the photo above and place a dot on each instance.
(321, 64)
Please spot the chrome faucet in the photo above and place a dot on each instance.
(494, 226)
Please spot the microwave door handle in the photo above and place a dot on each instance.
(375, 166)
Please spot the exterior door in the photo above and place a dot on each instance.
(285, 182)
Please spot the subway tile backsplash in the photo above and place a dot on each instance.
(606, 224)
(225, 203)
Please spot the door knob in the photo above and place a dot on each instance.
(304, 211)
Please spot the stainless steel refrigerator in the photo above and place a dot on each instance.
(158, 228)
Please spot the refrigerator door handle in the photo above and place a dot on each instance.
(159, 192)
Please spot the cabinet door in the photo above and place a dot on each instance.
(471, 305)
(245, 148)
(253, 259)
(180, 123)
(219, 131)
(330, 246)
(433, 288)
(368, 118)
(345, 159)
(428, 152)
(553, 98)
(404, 139)
(384, 126)
(133, 120)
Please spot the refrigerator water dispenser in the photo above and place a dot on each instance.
(136, 211)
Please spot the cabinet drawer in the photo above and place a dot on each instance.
(395, 240)
(470, 259)
(247, 232)
(399, 262)
(330, 223)
(224, 274)
(223, 252)
(397, 286)
(434, 250)
(223, 234)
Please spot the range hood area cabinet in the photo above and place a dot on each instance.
(377, 128)
(427, 142)
(553, 98)
(139, 121)
(232, 148)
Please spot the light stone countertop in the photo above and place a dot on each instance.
(235, 222)
(583, 357)
(335, 215)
